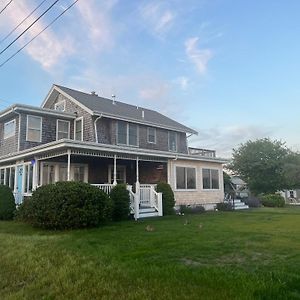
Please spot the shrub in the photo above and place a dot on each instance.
(272, 200)
(224, 206)
(168, 200)
(120, 202)
(66, 205)
(7, 203)
(252, 201)
(188, 209)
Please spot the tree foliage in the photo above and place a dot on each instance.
(261, 164)
(7, 203)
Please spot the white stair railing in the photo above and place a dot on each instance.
(106, 187)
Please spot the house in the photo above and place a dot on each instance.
(84, 137)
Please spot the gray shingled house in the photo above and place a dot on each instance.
(84, 137)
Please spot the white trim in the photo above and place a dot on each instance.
(13, 133)
(175, 178)
(59, 120)
(41, 128)
(176, 141)
(57, 104)
(219, 179)
(148, 135)
(76, 120)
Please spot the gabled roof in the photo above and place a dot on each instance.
(120, 110)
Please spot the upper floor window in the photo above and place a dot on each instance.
(151, 135)
(210, 179)
(185, 178)
(78, 129)
(127, 133)
(60, 106)
(34, 129)
(62, 129)
(172, 141)
(9, 129)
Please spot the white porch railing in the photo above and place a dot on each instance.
(106, 187)
(145, 197)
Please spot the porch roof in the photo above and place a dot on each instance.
(104, 150)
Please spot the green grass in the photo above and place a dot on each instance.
(229, 255)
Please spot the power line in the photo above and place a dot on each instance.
(8, 59)
(29, 27)
(11, 32)
(3, 9)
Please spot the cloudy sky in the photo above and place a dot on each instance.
(228, 68)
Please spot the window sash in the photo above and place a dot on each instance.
(127, 133)
(63, 129)
(151, 135)
(34, 129)
(9, 129)
(132, 134)
(172, 139)
(78, 132)
(210, 179)
(185, 178)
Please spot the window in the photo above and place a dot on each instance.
(34, 129)
(78, 132)
(151, 135)
(79, 173)
(210, 179)
(62, 130)
(28, 176)
(172, 141)
(127, 133)
(2, 177)
(60, 106)
(63, 172)
(120, 175)
(48, 174)
(9, 129)
(185, 178)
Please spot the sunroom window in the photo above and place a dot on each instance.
(185, 178)
(210, 178)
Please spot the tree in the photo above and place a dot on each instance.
(291, 171)
(261, 165)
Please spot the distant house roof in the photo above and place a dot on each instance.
(107, 107)
(237, 180)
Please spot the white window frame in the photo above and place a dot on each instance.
(28, 177)
(175, 178)
(122, 168)
(176, 141)
(13, 132)
(127, 134)
(57, 104)
(41, 128)
(59, 120)
(150, 142)
(76, 120)
(219, 179)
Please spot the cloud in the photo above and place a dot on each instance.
(183, 82)
(199, 57)
(158, 18)
(224, 139)
(47, 49)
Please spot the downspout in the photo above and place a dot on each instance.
(95, 127)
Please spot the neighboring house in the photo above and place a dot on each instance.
(84, 137)
(240, 187)
(291, 196)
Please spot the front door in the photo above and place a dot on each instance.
(19, 185)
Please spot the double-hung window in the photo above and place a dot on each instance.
(34, 129)
(172, 141)
(127, 133)
(185, 178)
(151, 135)
(62, 129)
(210, 178)
(78, 129)
(9, 129)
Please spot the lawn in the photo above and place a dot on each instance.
(252, 254)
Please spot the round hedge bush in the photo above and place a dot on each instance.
(7, 203)
(66, 205)
(121, 202)
(272, 200)
(168, 200)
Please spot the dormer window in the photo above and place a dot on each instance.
(172, 141)
(151, 135)
(9, 129)
(60, 106)
(127, 133)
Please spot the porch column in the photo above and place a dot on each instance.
(137, 183)
(34, 174)
(69, 165)
(115, 170)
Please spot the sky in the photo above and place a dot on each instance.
(229, 69)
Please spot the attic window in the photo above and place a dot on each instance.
(60, 106)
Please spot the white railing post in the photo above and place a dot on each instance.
(136, 206)
(160, 205)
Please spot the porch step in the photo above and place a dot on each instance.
(238, 204)
(148, 215)
(146, 212)
(147, 209)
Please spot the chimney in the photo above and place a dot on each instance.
(113, 99)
